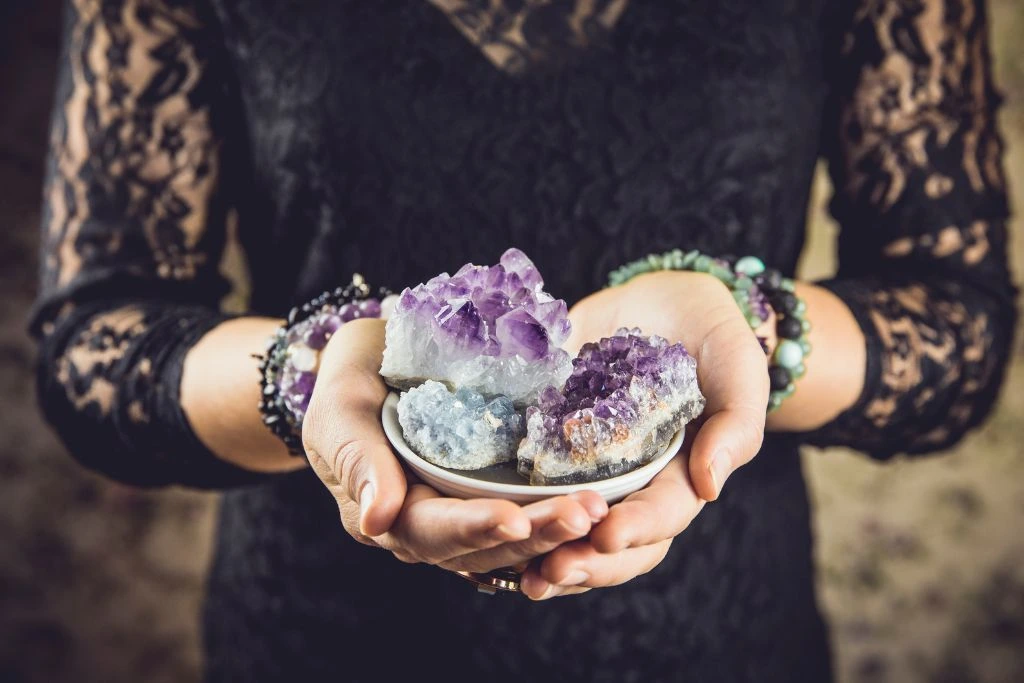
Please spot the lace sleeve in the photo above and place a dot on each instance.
(134, 224)
(920, 196)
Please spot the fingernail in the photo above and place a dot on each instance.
(532, 581)
(719, 470)
(549, 592)
(554, 531)
(366, 495)
(575, 578)
(597, 509)
(515, 532)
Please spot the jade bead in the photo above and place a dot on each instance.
(805, 325)
(743, 282)
(787, 285)
(702, 264)
(800, 308)
(749, 265)
(805, 346)
(774, 401)
(799, 370)
(720, 272)
(789, 354)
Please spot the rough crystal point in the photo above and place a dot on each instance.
(626, 397)
(461, 430)
(492, 329)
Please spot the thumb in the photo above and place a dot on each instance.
(728, 439)
(371, 476)
(343, 427)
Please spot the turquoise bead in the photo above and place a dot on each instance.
(749, 265)
(789, 354)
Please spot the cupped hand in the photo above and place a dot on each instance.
(699, 311)
(348, 451)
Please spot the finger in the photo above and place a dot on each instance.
(537, 588)
(733, 374)
(554, 521)
(656, 513)
(433, 529)
(579, 565)
(727, 440)
(342, 428)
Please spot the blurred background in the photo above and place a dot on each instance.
(920, 565)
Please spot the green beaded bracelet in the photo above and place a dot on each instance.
(755, 288)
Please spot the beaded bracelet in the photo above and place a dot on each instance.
(288, 367)
(754, 287)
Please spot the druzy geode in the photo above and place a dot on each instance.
(461, 430)
(626, 397)
(492, 329)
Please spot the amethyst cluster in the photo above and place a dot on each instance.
(626, 397)
(491, 329)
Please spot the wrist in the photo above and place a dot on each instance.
(290, 365)
(765, 298)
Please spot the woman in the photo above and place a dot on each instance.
(405, 138)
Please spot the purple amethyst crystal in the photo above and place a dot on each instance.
(492, 329)
(626, 397)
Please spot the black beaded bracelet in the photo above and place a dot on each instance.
(288, 367)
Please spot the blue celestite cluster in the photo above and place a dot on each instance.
(461, 430)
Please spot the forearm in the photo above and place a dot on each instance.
(220, 393)
(836, 365)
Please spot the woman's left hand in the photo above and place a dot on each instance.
(698, 310)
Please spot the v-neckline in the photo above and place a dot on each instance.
(498, 31)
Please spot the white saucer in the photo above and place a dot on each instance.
(498, 481)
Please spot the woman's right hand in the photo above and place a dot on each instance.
(347, 448)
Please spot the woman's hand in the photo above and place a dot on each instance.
(699, 311)
(348, 450)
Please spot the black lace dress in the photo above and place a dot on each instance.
(407, 137)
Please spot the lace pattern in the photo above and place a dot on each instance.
(132, 207)
(516, 34)
(916, 165)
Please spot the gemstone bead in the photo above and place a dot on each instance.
(749, 265)
(788, 354)
(789, 328)
(778, 377)
(784, 302)
(303, 358)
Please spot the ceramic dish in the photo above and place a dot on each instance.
(502, 481)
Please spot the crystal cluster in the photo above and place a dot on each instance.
(626, 397)
(461, 430)
(492, 329)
